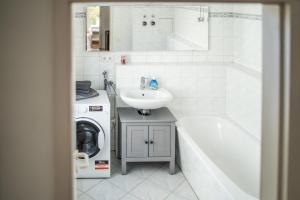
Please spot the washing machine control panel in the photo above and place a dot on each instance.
(95, 108)
(91, 109)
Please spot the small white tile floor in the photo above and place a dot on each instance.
(144, 181)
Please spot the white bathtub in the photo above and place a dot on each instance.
(219, 159)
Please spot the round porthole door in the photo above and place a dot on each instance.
(89, 136)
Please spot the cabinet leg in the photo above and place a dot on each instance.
(172, 167)
(124, 167)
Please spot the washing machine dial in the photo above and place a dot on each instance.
(84, 109)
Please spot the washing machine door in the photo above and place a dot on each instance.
(89, 136)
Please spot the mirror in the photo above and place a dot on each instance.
(97, 28)
(147, 28)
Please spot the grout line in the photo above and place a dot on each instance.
(85, 193)
(143, 181)
(100, 181)
(173, 191)
(128, 192)
(90, 196)
(184, 179)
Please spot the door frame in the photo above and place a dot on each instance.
(279, 150)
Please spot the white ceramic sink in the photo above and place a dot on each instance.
(146, 99)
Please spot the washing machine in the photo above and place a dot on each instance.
(92, 118)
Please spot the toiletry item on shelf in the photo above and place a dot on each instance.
(153, 84)
(124, 60)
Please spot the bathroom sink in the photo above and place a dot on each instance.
(146, 99)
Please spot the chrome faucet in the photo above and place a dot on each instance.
(143, 83)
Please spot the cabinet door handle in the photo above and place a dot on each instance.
(146, 142)
(151, 142)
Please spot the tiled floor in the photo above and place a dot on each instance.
(144, 181)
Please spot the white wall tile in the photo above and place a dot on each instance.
(248, 42)
(216, 7)
(97, 82)
(227, 59)
(203, 87)
(79, 77)
(218, 71)
(185, 58)
(199, 58)
(138, 58)
(216, 44)
(218, 106)
(154, 57)
(216, 27)
(92, 66)
(243, 100)
(79, 65)
(247, 8)
(217, 88)
(191, 84)
(228, 24)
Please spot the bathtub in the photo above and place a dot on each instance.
(219, 160)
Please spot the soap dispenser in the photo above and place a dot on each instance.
(153, 84)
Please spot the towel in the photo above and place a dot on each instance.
(83, 91)
(92, 93)
(83, 85)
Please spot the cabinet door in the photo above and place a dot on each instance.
(159, 141)
(137, 141)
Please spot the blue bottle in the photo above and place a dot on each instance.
(153, 85)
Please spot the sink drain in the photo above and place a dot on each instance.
(144, 112)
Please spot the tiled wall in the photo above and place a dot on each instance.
(247, 34)
(244, 83)
(198, 88)
(199, 80)
(243, 98)
(89, 65)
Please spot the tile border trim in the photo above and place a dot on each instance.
(235, 15)
(211, 14)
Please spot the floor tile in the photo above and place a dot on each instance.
(163, 178)
(84, 197)
(106, 191)
(175, 197)
(115, 170)
(129, 197)
(144, 181)
(185, 191)
(125, 182)
(85, 184)
(143, 170)
(115, 161)
(150, 191)
(78, 193)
